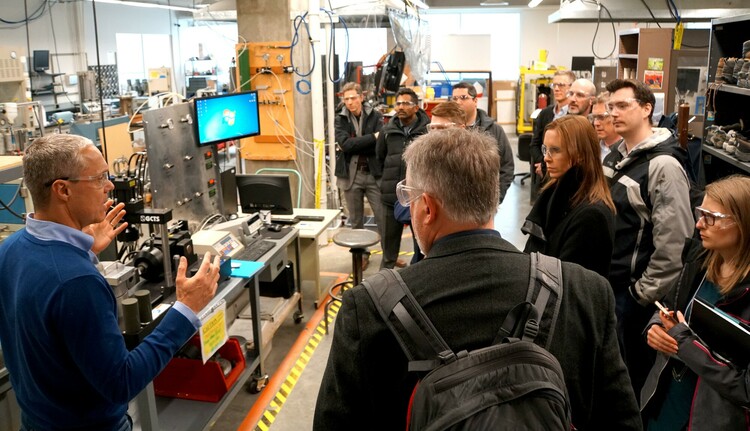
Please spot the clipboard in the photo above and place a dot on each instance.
(722, 333)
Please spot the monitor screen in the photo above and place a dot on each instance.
(41, 60)
(226, 117)
(265, 192)
(582, 63)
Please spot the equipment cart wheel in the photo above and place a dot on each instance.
(257, 384)
(298, 316)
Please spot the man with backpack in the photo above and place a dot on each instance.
(651, 192)
(469, 281)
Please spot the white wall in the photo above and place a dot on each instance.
(452, 53)
(65, 19)
(113, 19)
(564, 40)
(74, 30)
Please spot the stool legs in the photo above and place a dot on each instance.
(357, 278)
(357, 254)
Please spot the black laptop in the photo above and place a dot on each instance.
(722, 333)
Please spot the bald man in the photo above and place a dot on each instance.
(581, 96)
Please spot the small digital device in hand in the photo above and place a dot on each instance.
(665, 310)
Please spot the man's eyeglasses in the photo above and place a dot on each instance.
(440, 126)
(404, 193)
(559, 85)
(577, 94)
(552, 151)
(406, 103)
(100, 180)
(622, 105)
(461, 97)
(599, 117)
(710, 217)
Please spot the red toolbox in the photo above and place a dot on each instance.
(193, 380)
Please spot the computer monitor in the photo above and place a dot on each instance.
(582, 63)
(227, 116)
(265, 192)
(41, 60)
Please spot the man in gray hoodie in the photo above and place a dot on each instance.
(650, 190)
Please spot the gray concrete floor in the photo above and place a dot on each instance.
(297, 412)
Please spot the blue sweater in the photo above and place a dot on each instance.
(58, 328)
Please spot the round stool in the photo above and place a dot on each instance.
(357, 240)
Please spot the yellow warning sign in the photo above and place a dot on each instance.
(213, 331)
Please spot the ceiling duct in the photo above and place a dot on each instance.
(222, 10)
(634, 10)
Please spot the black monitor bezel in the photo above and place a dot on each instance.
(239, 178)
(196, 123)
(35, 58)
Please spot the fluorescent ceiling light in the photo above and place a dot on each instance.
(534, 3)
(493, 3)
(148, 5)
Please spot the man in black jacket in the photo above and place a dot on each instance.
(357, 168)
(561, 82)
(410, 121)
(466, 96)
(467, 283)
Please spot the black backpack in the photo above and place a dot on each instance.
(511, 384)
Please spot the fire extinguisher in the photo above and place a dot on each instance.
(541, 100)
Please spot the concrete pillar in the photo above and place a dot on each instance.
(270, 20)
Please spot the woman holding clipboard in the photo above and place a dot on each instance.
(690, 385)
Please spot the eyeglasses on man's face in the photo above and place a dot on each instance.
(559, 85)
(599, 117)
(99, 180)
(461, 97)
(710, 218)
(622, 105)
(406, 194)
(440, 126)
(552, 151)
(577, 94)
(406, 103)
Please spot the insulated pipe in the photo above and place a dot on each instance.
(316, 96)
(331, 116)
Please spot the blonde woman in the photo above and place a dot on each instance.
(690, 386)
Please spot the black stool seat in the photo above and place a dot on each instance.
(357, 240)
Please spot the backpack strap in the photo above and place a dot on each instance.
(549, 294)
(542, 305)
(417, 336)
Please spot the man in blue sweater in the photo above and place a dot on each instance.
(58, 316)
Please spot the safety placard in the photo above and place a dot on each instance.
(213, 332)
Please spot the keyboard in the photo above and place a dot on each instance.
(254, 250)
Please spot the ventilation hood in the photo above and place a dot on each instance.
(634, 10)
